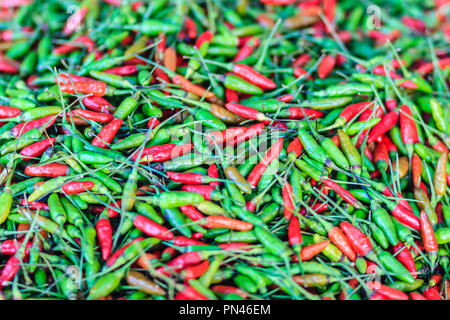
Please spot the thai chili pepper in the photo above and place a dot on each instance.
(408, 129)
(391, 293)
(247, 112)
(405, 257)
(326, 66)
(272, 153)
(428, 236)
(107, 134)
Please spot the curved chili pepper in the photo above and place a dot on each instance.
(359, 241)
(107, 134)
(272, 153)
(37, 148)
(48, 170)
(75, 187)
(104, 235)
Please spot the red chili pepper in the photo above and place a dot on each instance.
(288, 196)
(187, 177)
(299, 72)
(74, 21)
(408, 84)
(277, 2)
(75, 187)
(34, 205)
(10, 270)
(37, 148)
(191, 28)
(338, 238)
(97, 104)
(309, 252)
(247, 49)
(295, 146)
(107, 134)
(371, 267)
(154, 150)
(343, 193)
(227, 223)
(192, 88)
(326, 66)
(359, 241)
(392, 148)
(206, 36)
(153, 123)
(104, 235)
(112, 259)
(47, 170)
(96, 88)
(247, 112)
(428, 67)
(231, 95)
(391, 293)
(194, 272)
(379, 70)
(190, 293)
(122, 71)
(192, 213)
(294, 232)
(183, 241)
(8, 65)
(414, 23)
(163, 152)
(113, 213)
(353, 110)
(286, 98)
(185, 260)
(76, 44)
(432, 294)
(10, 247)
(197, 235)
(19, 129)
(235, 246)
(416, 296)
(94, 116)
(381, 156)
(405, 257)
(386, 124)
(302, 113)
(221, 137)
(428, 237)
(152, 229)
(251, 132)
(406, 217)
(9, 112)
(301, 60)
(273, 153)
(205, 191)
(252, 76)
(408, 127)
(213, 173)
(439, 146)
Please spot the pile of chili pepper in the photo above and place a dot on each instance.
(204, 150)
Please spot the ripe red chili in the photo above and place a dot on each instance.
(37, 148)
(359, 241)
(104, 235)
(47, 170)
(152, 229)
(75, 187)
(288, 199)
(107, 134)
(326, 66)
